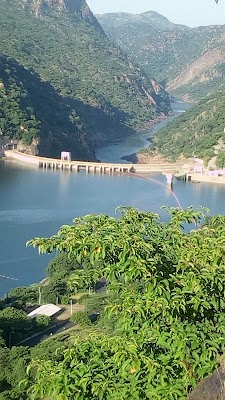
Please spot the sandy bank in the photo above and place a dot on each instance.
(206, 178)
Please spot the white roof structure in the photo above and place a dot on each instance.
(46, 309)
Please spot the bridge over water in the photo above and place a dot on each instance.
(93, 167)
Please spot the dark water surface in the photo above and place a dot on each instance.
(35, 203)
(133, 143)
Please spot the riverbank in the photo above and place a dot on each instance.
(141, 154)
(198, 178)
(117, 151)
(145, 158)
(152, 123)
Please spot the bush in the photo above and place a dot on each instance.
(169, 313)
(23, 295)
(81, 318)
(95, 303)
(12, 395)
(61, 266)
(220, 160)
(42, 321)
(65, 299)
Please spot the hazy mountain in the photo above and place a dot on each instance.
(149, 20)
(63, 44)
(189, 61)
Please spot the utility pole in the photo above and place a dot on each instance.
(10, 337)
(39, 297)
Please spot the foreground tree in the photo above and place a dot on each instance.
(169, 312)
(13, 323)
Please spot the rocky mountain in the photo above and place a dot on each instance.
(123, 24)
(189, 62)
(77, 7)
(61, 43)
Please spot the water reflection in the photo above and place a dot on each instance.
(137, 141)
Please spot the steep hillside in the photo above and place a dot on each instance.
(33, 112)
(194, 133)
(190, 62)
(202, 76)
(63, 43)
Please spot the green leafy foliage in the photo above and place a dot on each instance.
(168, 307)
(60, 271)
(12, 395)
(81, 318)
(33, 112)
(43, 320)
(194, 133)
(61, 266)
(97, 302)
(13, 323)
(4, 361)
(14, 363)
(220, 159)
(24, 295)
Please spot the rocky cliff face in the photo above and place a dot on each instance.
(202, 70)
(78, 7)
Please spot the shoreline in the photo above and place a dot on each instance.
(142, 156)
(149, 125)
(198, 178)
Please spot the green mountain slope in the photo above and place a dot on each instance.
(190, 62)
(196, 132)
(33, 112)
(63, 43)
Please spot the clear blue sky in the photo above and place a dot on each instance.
(187, 12)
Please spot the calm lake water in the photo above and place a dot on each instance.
(35, 203)
(114, 151)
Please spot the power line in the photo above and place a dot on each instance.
(161, 184)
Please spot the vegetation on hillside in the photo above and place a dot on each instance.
(167, 308)
(160, 326)
(207, 81)
(33, 111)
(93, 77)
(166, 50)
(194, 133)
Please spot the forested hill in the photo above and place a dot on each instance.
(62, 42)
(33, 112)
(189, 61)
(196, 132)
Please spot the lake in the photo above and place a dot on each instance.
(35, 203)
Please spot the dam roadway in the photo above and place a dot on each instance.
(93, 167)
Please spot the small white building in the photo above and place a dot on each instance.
(66, 156)
(49, 310)
(198, 169)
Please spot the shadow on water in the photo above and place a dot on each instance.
(124, 150)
